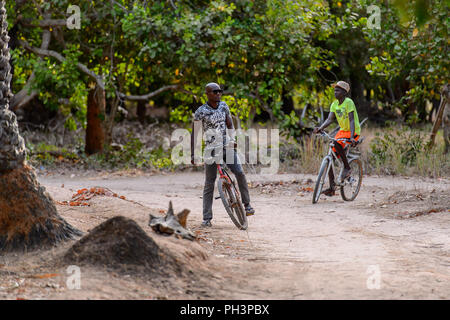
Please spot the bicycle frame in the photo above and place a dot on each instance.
(332, 155)
(223, 173)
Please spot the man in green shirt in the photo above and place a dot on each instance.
(344, 110)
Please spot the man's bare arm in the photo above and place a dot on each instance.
(351, 117)
(196, 125)
(229, 122)
(327, 122)
(230, 127)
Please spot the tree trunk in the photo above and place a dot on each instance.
(28, 217)
(109, 123)
(288, 103)
(445, 95)
(446, 125)
(95, 135)
(141, 111)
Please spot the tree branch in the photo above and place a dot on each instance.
(149, 95)
(46, 23)
(24, 96)
(60, 58)
(99, 80)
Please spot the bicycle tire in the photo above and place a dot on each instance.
(232, 203)
(320, 180)
(357, 171)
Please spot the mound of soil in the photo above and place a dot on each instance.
(433, 197)
(120, 244)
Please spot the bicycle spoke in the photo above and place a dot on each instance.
(351, 186)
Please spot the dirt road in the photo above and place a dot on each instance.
(392, 242)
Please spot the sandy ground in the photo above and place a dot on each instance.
(392, 242)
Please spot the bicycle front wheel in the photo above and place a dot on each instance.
(232, 203)
(352, 185)
(321, 177)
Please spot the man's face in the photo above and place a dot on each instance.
(214, 93)
(339, 92)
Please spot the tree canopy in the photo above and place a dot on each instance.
(272, 56)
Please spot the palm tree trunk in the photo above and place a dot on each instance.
(28, 216)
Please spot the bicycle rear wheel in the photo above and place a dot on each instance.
(232, 203)
(352, 185)
(321, 177)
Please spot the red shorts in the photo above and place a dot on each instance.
(344, 134)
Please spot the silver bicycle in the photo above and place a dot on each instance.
(350, 186)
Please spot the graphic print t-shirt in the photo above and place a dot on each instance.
(341, 112)
(213, 119)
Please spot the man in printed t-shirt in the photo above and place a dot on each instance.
(215, 116)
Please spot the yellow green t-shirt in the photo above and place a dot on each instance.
(341, 112)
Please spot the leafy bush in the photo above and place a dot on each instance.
(403, 143)
(403, 151)
(134, 155)
(47, 154)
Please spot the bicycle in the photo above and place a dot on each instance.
(351, 183)
(228, 192)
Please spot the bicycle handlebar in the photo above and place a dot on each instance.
(231, 144)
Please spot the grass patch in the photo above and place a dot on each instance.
(385, 151)
(131, 155)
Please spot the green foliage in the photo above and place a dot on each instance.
(181, 114)
(46, 154)
(261, 51)
(256, 49)
(291, 125)
(406, 143)
(394, 151)
(134, 155)
(411, 51)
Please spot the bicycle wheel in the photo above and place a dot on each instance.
(232, 203)
(351, 186)
(321, 177)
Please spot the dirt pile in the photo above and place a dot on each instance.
(122, 245)
(414, 203)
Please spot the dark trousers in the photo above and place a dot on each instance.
(210, 179)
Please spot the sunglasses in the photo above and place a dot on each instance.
(217, 91)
